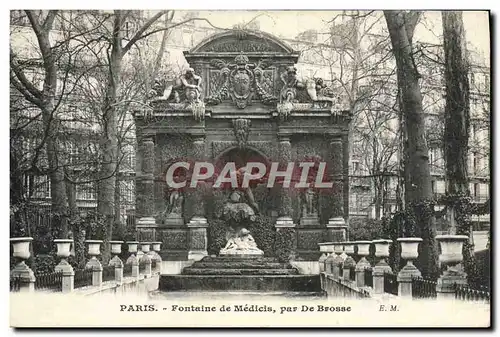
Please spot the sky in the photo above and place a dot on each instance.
(289, 23)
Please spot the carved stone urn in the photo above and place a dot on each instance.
(94, 247)
(451, 248)
(409, 248)
(132, 247)
(116, 247)
(21, 247)
(63, 247)
(382, 248)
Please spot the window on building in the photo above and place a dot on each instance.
(355, 166)
(86, 191)
(41, 188)
(475, 163)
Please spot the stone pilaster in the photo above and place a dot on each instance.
(145, 181)
(285, 156)
(337, 177)
(196, 202)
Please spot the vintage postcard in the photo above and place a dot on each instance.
(214, 168)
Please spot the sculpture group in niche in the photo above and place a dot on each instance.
(174, 210)
(309, 204)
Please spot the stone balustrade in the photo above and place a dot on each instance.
(338, 265)
(23, 279)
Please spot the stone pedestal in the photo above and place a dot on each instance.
(197, 238)
(445, 286)
(118, 264)
(349, 264)
(68, 276)
(96, 267)
(336, 229)
(378, 276)
(25, 275)
(146, 260)
(146, 228)
(405, 277)
(337, 263)
(360, 268)
(321, 262)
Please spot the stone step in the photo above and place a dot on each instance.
(236, 258)
(236, 295)
(240, 265)
(308, 283)
(239, 271)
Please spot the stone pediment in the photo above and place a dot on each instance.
(242, 70)
(242, 41)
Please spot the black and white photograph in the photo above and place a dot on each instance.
(250, 168)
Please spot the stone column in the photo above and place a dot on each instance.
(197, 235)
(409, 252)
(93, 263)
(22, 270)
(336, 226)
(363, 264)
(451, 257)
(145, 180)
(285, 209)
(68, 274)
(381, 251)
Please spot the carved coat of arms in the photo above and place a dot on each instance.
(241, 81)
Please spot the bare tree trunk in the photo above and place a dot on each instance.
(109, 136)
(456, 128)
(401, 26)
(457, 110)
(47, 106)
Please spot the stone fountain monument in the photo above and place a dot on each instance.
(241, 97)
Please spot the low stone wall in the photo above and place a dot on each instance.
(306, 267)
(341, 288)
(174, 267)
(130, 285)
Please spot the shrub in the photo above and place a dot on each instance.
(264, 233)
(217, 231)
(284, 244)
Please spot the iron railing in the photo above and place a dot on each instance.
(391, 283)
(421, 288)
(15, 283)
(369, 277)
(352, 274)
(466, 293)
(108, 273)
(48, 281)
(142, 267)
(127, 269)
(83, 278)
